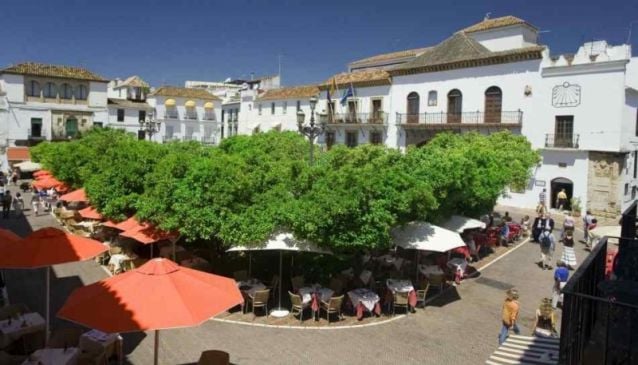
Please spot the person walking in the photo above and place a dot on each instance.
(561, 200)
(568, 225)
(542, 199)
(545, 321)
(6, 204)
(35, 203)
(541, 223)
(509, 315)
(561, 274)
(569, 255)
(587, 221)
(18, 204)
(547, 244)
(504, 234)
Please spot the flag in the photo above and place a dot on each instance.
(347, 93)
(332, 90)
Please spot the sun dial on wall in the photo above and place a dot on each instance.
(566, 95)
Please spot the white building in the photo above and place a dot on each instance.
(47, 102)
(186, 114)
(127, 104)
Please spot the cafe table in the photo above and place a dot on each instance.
(249, 287)
(99, 342)
(402, 286)
(47, 356)
(364, 299)
(13, 329)
(313, 296)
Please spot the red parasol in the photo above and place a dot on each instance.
(158, 295)
(75, 196)
(90, 213)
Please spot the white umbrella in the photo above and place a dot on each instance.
(460, 223)
(28, 166)
(423, 236)
(281, 242)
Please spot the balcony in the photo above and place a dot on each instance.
(378, 118)
(37, 134)
(209, 116)
(567, 140)
(171, 115)
(64, 136)
(506, 119)
(189, 138)
(190, 115)
(600, 310)
(209, 140)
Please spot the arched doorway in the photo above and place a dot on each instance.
(454, 106)
(413, 107)
(557, 185)
(493, 104)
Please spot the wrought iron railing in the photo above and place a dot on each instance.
(505, 118)
(209, 116)
(189, 138)
(599, 323)
(566, 140)
(171, 114)
(37, 134)
(209, 140)
(358, 118)
(190, 115)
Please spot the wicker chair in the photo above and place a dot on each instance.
(260, 300)
(437, 281)
(400, 300)
(65, 337)
(240, 275)
(297, 282)
(332, 306)
(422, 293)
(214, 357)
(296, 305)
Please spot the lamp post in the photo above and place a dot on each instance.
(311, 131)
(150, 126)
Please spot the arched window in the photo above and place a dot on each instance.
(454, 106)
(432, 98)
(413, 107)
(50, 90)
(66, 91)
(493, 104)
(81, 92)
(33, 88)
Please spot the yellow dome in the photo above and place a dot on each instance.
(190, 104)
(169, 102)
(209, 105)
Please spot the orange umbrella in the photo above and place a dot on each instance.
(42, 173)
(126, 225)
(90, 213)
(46, 247)
(158, 295)
(75, 196)
(48, 183)
(148, 234)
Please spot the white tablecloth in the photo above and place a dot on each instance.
(97, 341)
(116, 260)
(306, 294)
(399, 286)
(26, 323)
(457, 264)
(54, 357)
(250, 286)
(364, 296)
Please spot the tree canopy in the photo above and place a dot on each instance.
(252, 186)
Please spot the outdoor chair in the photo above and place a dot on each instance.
(437, 281)
(214, 357)
(400, 300)
(336, 285)
(13, 310)
(240, 275)
(422, 293)
(65, 337)
(92, 358)
(332, 306)
(260, 300)
(296, 305)
(297, 283)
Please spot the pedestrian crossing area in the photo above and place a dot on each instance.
(526, 350)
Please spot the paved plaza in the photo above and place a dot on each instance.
(459, 327)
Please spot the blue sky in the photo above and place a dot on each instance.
(167, 42)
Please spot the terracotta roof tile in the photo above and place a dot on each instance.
(134, 81)
(503, 21)
(182, 92)
(390, 56)
(359, 78)
(59, 71)
(303, 91)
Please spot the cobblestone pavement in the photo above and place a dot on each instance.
(460, 327)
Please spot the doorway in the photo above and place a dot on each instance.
(71, 127)
(557, 185)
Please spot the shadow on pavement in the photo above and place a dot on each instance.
(449, 295)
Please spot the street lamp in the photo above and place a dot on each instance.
(311, 131)
(150, 126)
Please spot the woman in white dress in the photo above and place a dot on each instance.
(569, 255)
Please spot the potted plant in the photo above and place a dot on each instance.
(576, 207)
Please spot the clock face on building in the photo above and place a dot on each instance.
(566, 95)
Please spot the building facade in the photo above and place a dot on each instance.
(47, 102)
(127, 104)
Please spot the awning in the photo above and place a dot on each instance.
(209, 105)
(75, 196)
(90, 213)
(190, 104)
(28, 166)
(148, 234)
(460, 223)
(18, 154)
(283, 242)
(126, 225)
(169, 102)
(526, 350)
(426, 237)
